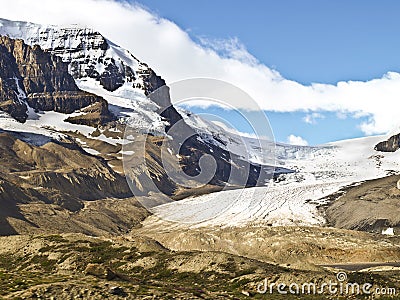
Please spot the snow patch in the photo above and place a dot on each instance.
(388, 231)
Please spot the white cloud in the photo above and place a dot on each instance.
(296, 140)
(341, 115)
(230, 49)
(172, 53)
(313, 118)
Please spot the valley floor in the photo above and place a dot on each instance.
(216, 246)
(71, 266)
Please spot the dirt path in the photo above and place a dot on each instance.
(362, 266)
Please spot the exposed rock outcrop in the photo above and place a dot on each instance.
(391, 145)
(31, 76)
(151, 81)
(10, 98)
(94, 115)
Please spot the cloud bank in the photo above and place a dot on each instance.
(175, 56)
(296, 140)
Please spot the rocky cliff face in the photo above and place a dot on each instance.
(391, 145)
(11, 95)
(31, 76)
(88, 54)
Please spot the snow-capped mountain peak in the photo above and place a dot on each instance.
(98, 66)
(89, 54)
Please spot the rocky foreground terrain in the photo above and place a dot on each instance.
(76, 266)
(172, 261)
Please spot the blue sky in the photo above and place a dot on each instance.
(306, 41)
(325, 128)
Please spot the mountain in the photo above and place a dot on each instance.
(95, 64)
(88, 54)
(72, 88)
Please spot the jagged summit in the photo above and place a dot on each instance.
(97, 66)
(88, 53)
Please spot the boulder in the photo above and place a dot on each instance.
(391, 145)
(100, 271)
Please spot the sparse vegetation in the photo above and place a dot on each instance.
(59, 268)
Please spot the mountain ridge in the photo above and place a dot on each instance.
(151, 111)
(88, 53)
(100, 109)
